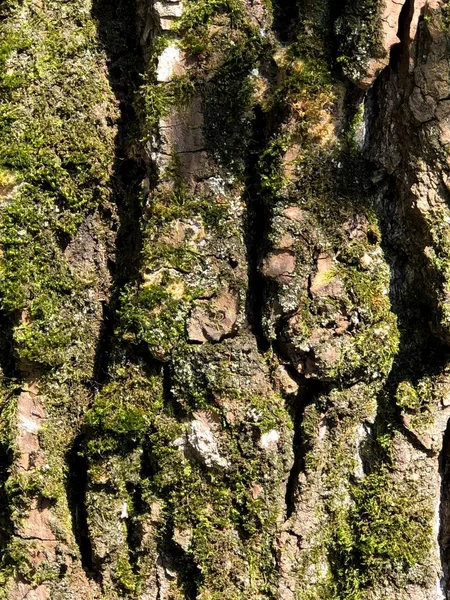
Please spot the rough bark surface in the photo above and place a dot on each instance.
(224, 299)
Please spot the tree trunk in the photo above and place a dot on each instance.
(225, 299)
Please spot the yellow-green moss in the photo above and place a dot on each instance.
(59, 156)
(383, 534)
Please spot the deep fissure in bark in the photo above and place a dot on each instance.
(285, 14)
(256, 230)
(309, 390)
(135, 531)
(8, 363)
(423, 351)
(173, 558)
(118, 34)
(399, 56)
(76, 488)
(6, 524)
(117, 31)
(8, 371)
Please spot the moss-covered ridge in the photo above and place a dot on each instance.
(56, 155)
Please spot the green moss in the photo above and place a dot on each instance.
(379, 528)
(418, 402)
(154, 101)
(180, 203)
(59, 157)
(385, 532)
(124, 575)
(15, 562)
(215, 506)
(376, 343)
(124, 410)
(406, 396)
(358, 32)
(193, 27)
(270, 169)
(8, 405)
(154, 316)
(231, 522)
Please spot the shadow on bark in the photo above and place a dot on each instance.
(118, 35)
(285, 17)
(8, 370)
(76, 487)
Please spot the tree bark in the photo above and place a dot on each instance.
(225, 292)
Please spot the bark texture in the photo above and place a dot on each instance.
(224, 299)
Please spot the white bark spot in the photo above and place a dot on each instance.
(168, 62)
(29, 425)
(269, 440)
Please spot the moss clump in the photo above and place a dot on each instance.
(385, 532)
(231, 528)
(124, 409)
(358, 31)
(375, 340)
(179, 203)
(407, 397)
(194, 26)
(154, 101)
(154, 316)
(417, 402)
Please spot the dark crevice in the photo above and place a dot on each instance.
(285, 18)
(8, 362)
(118, 34)
(173, 558)
(256, 231)
(258, 224)
(171, 404)
(309, 390)
(6, 523)
(415, 282)
(135, 530)
(422, 350)
(399, 58)
(170, 555)
(76, 488)
(8, 372)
